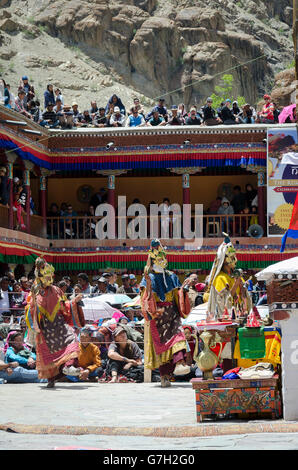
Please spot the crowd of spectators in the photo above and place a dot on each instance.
(111, 349)
(65, 222)
(53, 112)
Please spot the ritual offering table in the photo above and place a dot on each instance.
(226, 397)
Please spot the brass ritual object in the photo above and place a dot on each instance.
(207, 360)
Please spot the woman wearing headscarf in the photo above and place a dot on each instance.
(112, 103)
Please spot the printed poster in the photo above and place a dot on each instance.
(282, 178)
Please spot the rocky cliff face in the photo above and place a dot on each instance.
(151, 47)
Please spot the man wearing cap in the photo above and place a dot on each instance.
(50, 117)
(101, 287)
(134, 283)
(126, 287)
(76, 112)
(266, 116)
(193, 119)
(29, 89)
(117, 119)
(175, 119)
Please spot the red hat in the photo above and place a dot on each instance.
(200, 286)
(267, 97)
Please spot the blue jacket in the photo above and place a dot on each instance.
(11, 356)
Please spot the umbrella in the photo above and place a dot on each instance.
(94, 309)
(286, 112)
(288, 266)
(115, 299)
(198, 314)
(134, 303)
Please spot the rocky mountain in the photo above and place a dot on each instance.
(177, 48)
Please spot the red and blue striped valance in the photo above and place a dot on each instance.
(252, 155)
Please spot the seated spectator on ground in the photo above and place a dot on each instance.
(160, 107)
(135, 119)
(50, 117)
(63, 286)
(16, 351)
(113, 286)
(14, 373)
(18, 299)
(266, 116)
(89, 359)
(193, 119)
(20, 104)
(209, 114)
(58, 95)
(101, 287)
(5, 297)
(113, 102)
(69, 289)
(175, 119)
(227, 115)
(126, 287)
(117, 119)
(156, 120)
(49, 96)
(192, 291)
(134, 283)
(123, 355)
(84, 284)
(100, 119)
(77, 289)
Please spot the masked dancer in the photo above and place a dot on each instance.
(53, 320)
(164, 303)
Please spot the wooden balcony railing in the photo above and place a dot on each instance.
(83, 227)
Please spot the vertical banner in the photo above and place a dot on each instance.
(282, 178)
